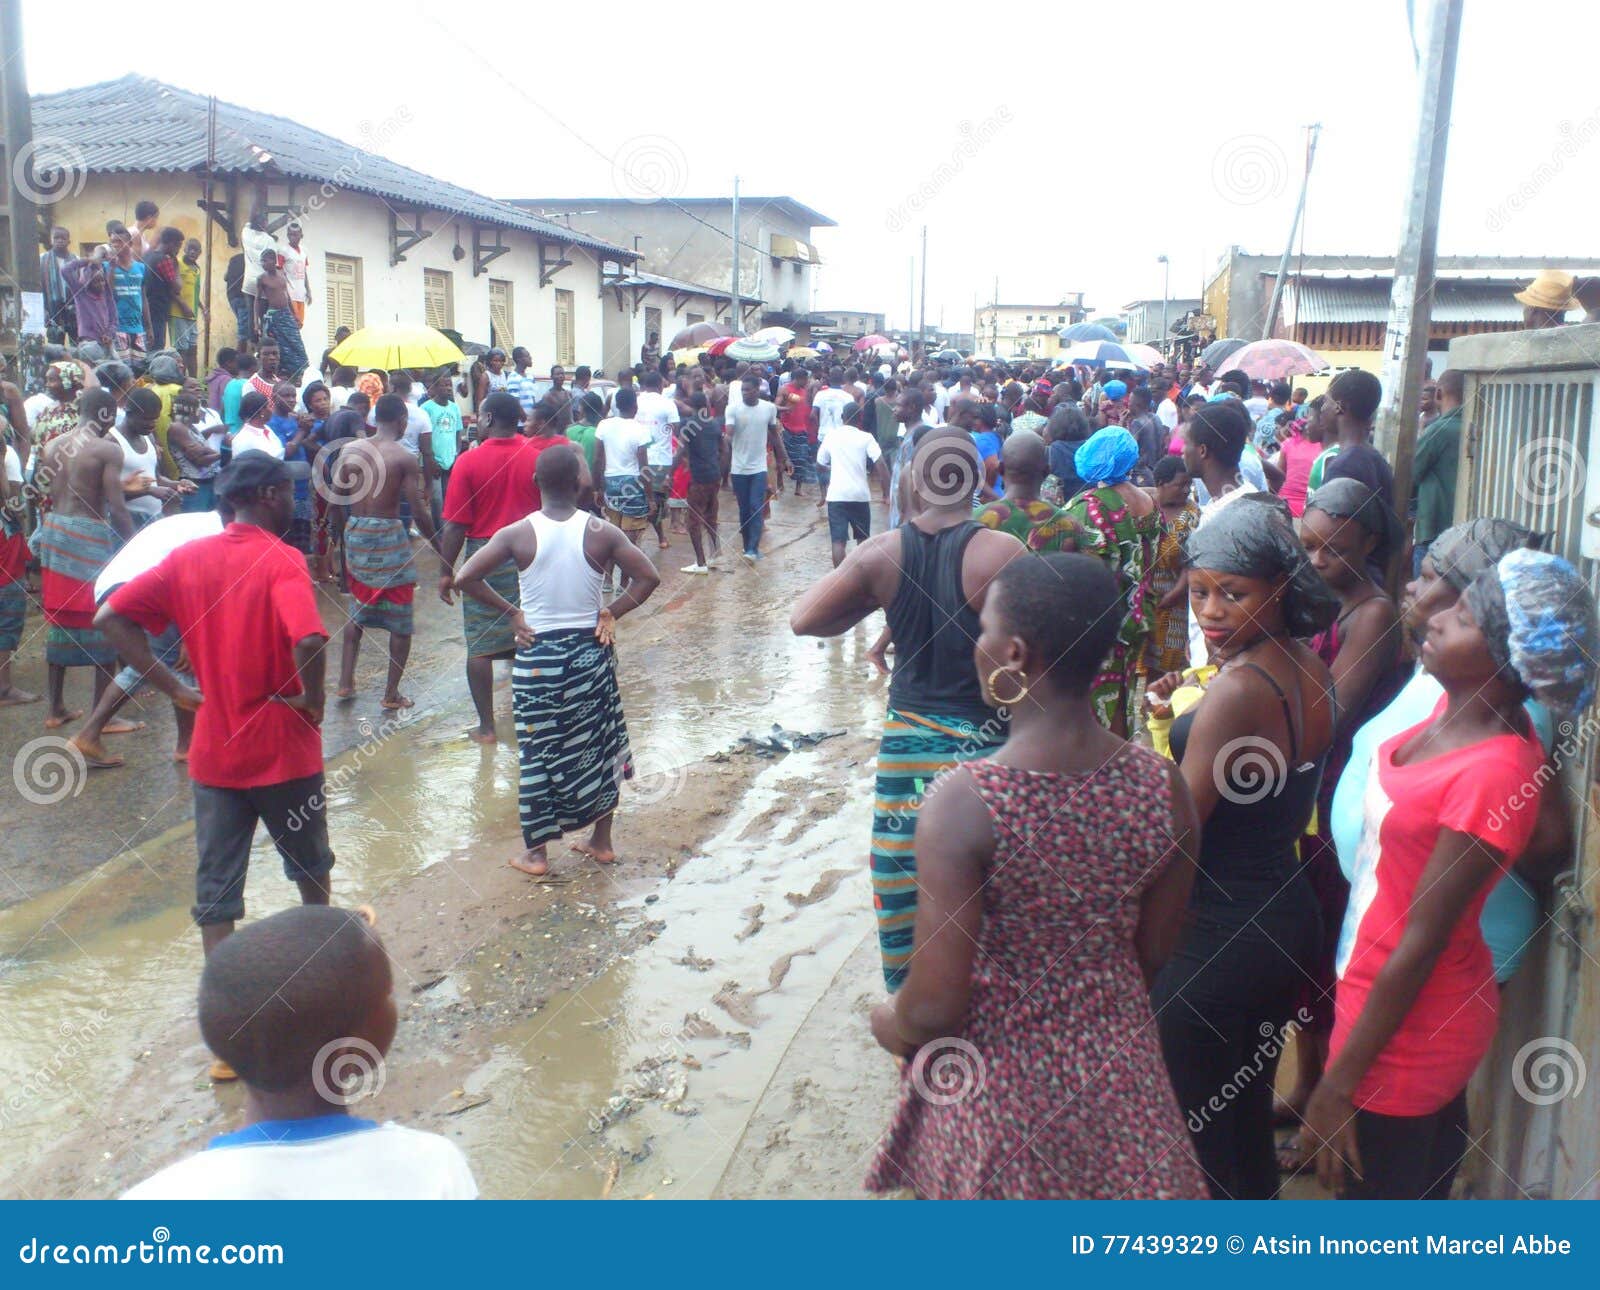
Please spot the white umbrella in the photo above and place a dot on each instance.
(777, 335)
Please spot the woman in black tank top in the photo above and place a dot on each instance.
(1251, 752)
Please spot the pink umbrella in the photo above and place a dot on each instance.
(870, 342)
(1275, 360)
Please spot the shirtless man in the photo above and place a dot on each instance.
(369, 479)
(275, 307)
(86, 523)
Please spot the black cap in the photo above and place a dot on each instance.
(249, 472)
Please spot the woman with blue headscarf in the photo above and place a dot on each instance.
(1450, 805)
(1129, 526)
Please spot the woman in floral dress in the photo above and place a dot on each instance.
(1051, 891)
(1129, 523)
(1168, 647)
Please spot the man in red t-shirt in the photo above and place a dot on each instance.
(799, 439)
(244, 604)
(490, 486)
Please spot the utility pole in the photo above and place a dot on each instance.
(1312, 131)
(1411, 305)
(922, 318)
(733, 287)
(1166, 292)
(19, 214)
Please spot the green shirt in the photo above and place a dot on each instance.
(1314, 481)
(583, 436)
(446, 418)
(1438, 451)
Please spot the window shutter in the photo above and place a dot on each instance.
(438, 306)
(502, 333)
(343, 290)
(565, 345)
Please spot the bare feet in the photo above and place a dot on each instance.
(55, 722)
(13, 696)
(595, 853)
(345, 693)
(876, 655)
(122, 727)
(367, 914)
(479, 735)
(181, 754)
(532, 862)
(94, 753)
(396, 702)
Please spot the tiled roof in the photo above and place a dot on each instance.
(138, 124)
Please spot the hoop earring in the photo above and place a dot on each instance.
(1021, 694)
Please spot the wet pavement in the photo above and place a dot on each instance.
(690, 1022)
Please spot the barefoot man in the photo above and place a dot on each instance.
(86, 523)
(571, 736)
(370, 478)
(13, 576)
(490, 486)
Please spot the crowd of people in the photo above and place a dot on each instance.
(1193, 779)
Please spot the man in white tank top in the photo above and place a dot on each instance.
(572, 739)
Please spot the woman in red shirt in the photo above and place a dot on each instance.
(1449, 805)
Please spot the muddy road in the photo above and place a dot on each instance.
(690, 1022)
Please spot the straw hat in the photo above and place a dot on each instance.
(1552, 289)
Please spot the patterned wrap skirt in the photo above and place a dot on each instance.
(381, 572)
(802, 456)
(488, 632)
(572, 740)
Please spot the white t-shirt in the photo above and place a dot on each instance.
(941, 400)
(830, 405)
(623, 437)
(35, 405)
(317, 1160)
(749, 440)
(257, 438)
(294, 269)
(658, 414)
(151, 545)
(13, 465)
(255, 242)
(850, 452)
(210, 426)
(418, 423)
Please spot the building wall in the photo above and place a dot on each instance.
(675, 245)
(356, 225)
(625, 330)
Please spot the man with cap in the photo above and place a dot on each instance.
(245, 608)
(1546, 299)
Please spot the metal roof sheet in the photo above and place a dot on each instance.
(1327, 301)
(138, 124)
(676, 284)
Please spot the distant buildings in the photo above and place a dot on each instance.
(1339, 304)
(1150, 322)
(1025, 330)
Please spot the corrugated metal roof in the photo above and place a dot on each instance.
(1368, 301)
(138, 124)
(675, 284)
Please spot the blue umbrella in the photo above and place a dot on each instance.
(1086, 331)
(1100, 353)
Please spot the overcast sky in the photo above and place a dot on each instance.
(1036, 152)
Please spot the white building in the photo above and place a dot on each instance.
(385, 243)
(639, 305)
(1000, 329)
(690, 239)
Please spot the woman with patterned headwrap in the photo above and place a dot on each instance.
(1124, 525)
(1450, 805)
(62, 382)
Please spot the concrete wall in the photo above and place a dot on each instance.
(624, 326)
(356, 225)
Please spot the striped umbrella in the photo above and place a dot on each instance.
(751, 350)
(719, 346)
(1086, 331)
(1100, 353)
(1276, 360)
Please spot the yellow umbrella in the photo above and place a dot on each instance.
(688, 355)
(804, 351)
(392, 346)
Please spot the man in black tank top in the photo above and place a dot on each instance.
(929, 576)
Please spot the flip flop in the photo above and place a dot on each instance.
(122, 727)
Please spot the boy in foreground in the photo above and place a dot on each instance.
(301, 1004)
